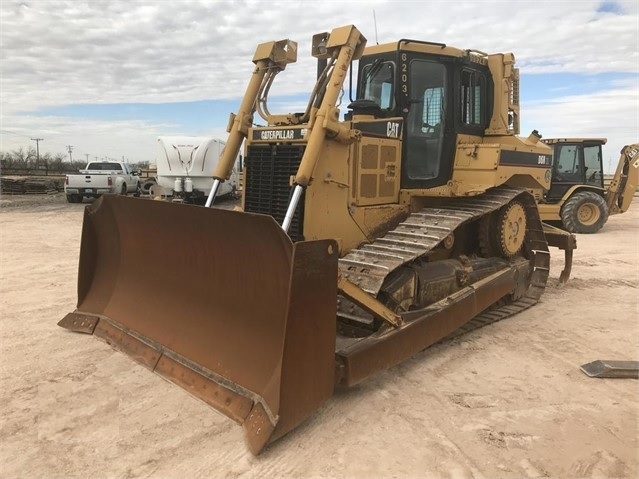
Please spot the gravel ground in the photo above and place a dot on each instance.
(505, 401)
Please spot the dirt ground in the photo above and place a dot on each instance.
(505, 401)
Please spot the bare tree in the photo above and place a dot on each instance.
(5, 160)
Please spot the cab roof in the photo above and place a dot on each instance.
(552, 141)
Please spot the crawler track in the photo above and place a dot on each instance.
(369, 265)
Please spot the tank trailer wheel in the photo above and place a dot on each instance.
(584, 212)
(503, 233)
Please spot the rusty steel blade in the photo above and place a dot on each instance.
(219, 302)
(603, 368)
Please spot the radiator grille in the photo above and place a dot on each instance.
(267, 188)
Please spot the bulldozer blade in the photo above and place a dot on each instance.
(219, 302)
(612, 369)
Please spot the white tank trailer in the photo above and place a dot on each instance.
(185, 166)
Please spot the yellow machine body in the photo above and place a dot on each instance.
(578, 199)
(360, 240)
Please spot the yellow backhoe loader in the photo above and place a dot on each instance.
(360, 241)
(577, 196)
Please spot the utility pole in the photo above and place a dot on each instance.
(87, 155)
(46, 166)
(70, 148)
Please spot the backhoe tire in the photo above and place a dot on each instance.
(584, 212)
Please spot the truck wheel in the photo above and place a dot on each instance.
(584, 212)
(123, 189)
(146, 187)
(73, 198)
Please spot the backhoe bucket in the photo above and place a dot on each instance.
(220, 302)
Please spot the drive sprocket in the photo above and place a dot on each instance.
(502, 233)
(511, 229)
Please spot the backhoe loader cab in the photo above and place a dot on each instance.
(577, 197)
(576, 161)
(358, 244)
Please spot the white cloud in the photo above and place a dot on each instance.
(611, 114)
(106, 138)
(60, 52)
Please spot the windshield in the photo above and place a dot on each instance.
(377, 83)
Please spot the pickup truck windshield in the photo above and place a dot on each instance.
(104, 166)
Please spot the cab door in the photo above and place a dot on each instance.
(426, 125)
(593, 165)
(567, 169)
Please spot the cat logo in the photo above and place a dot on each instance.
(392, 129)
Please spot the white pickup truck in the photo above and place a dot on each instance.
(100, 177)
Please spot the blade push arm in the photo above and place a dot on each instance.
(270, 58)
(343, 45)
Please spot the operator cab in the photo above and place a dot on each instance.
(575, 162)
(437, 96)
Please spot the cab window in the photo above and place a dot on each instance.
(378, 83)
(425, 120)
(472, 95)
(567, 163)
(592, 162)
(433, 108)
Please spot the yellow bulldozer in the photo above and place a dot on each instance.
(359, 242)
(577, 198)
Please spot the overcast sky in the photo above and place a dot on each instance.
(109, 77)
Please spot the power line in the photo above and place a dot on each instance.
(37, 140)
(46, 161)
(4, 131)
